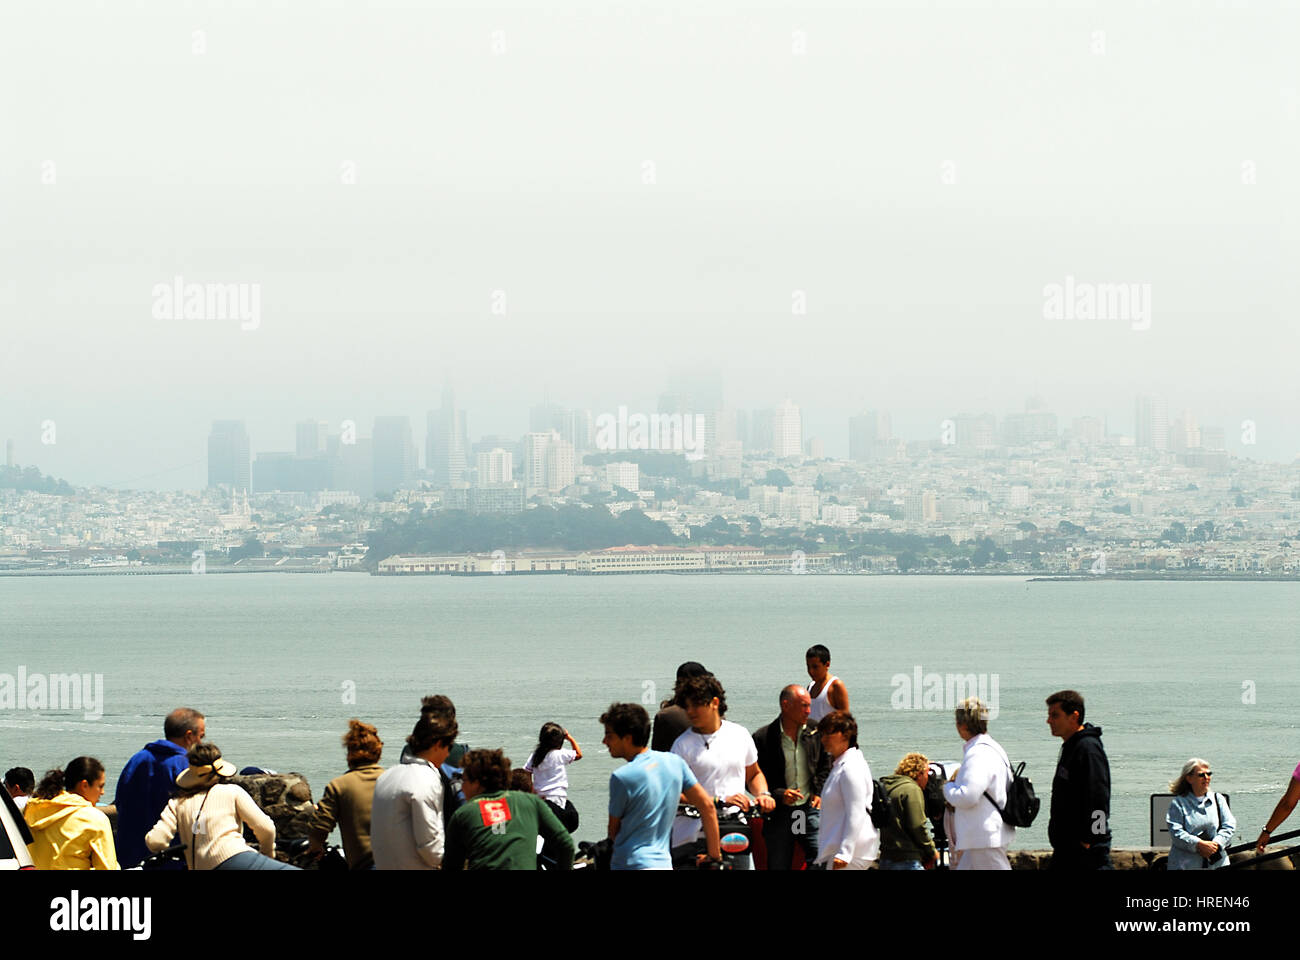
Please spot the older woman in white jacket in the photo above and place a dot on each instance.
(981, 835)
(847, 839)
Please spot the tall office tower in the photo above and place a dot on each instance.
(722, 427)
(351, 466)
(9, 454)
(1152, 423)
(787, 431)
(393, 454)
(311, 437)
(446, 448)
(1212, 438)
(559, 465)
(495, 466)
(579, 430)
(743, 431)
(290, 472)
(866, 431)
(762, 431)
(228, 460)
(535, 446)
(1087, 430)
(976, 432)
(1186, 433)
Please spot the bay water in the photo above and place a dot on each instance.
(279, 662)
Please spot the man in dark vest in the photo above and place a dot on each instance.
(791, 757)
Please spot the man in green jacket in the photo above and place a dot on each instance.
(905, 842)
(496, 828)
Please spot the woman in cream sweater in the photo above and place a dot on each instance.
(209, 814)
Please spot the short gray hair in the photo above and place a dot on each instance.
(973, 714)
(1181, 785)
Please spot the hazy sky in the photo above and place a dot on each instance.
(648, 184)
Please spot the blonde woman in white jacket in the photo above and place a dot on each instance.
(980, 834)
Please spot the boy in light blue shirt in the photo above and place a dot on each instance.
(643, 796)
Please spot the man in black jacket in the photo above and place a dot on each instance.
(1079, 829)
(791, 757)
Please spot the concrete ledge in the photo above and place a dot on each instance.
(1141, 858)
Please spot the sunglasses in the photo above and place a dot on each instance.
(1204, 776)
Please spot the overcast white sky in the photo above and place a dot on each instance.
(1108, 142)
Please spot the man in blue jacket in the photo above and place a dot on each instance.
(1079, 829)
(149, 779)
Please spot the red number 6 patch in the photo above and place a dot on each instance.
(494, 811)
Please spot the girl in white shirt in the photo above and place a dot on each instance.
(550, 778)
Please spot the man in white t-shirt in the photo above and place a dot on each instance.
(723, 758)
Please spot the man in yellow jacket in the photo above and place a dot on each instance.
(68, 832)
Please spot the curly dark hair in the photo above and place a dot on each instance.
(490, 769)
(362, 743)
(628, 719)
(433, 727)
(698, 691)
(438, 703)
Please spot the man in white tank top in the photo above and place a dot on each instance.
(828, 693)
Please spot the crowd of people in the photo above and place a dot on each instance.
(689, 774)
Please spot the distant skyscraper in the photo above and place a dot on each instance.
(534, 466)
(1186, 433)
(352, 466)
(311, 437)
(1035, 425)
(761, 431)
(9, 453)
(1088, 430)
(1152, 429)
(393, 454)
(289, 472)
(866, 432)
(787, 431)
(446, 451)
(559, 465)
(228, 458)
(976, 433)
(548, 462)
(495, 466)
(1212, 438)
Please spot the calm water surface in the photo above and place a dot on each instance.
(280, 662)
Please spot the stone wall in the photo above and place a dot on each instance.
(1141, 858)
(285, 798)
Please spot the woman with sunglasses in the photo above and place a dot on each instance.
(1200, 823)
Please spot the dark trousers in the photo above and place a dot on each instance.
(1077, 859)
(786, 826)
(567, 813)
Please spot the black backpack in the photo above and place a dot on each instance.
(879, 809)
(1022, 806)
